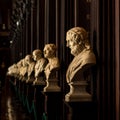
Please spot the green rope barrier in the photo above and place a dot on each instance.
(30, 109)
(23, 99)
(44, 117)
(19, 94)
(15, 89)
(34, 110)
(28, 106)
(25, 102)
(11, 82)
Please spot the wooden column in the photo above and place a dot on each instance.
(50, 20)
(27, 24)
(40, 24)
(31, 29)
(33, 24)
(46, 21)
(24, 37)
(117, 57)
(53, 100)
(103, 41)
(82, 13)
(38, 29)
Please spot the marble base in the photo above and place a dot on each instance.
(52, 86)
(24, 79)
(30, 80)
(39, 81)
(78, 92)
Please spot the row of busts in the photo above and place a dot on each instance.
(38, 68)
(76, 77)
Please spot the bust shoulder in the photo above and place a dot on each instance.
(83, 59)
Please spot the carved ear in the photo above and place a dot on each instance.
(87, 45)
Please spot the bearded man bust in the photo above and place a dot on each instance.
(84, 58)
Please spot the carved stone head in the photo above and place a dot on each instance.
(28, 59)
(37, 54)
(49, 50)
(77, 40)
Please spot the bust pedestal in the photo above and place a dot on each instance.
(52, 83)
(53, 105)
(78, 87)
(78, 92)
(39, 100)
(81, 110)
(30, 79)
(39, 81)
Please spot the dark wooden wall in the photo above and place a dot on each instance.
(46, 21)
(117, 58)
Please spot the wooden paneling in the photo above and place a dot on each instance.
(103, 34)
(48, 22)
(117, 57)
(40, 24)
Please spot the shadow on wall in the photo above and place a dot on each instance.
(4, 63)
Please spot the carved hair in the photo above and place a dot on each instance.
(28, 57)
(51, 47)
(37, 52)
(79, 34)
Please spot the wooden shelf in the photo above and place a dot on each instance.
(4, 33)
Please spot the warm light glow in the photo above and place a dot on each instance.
(11, 42)
(9, 109)
(17, 23)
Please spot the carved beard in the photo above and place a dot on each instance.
(74, 51)
(77, 49)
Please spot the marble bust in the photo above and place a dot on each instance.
(41, 62)
(53, 61)
(51, 68)
(23, 70)
(31, 66)
(84, 58)
(19, 65)
(12, 70)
